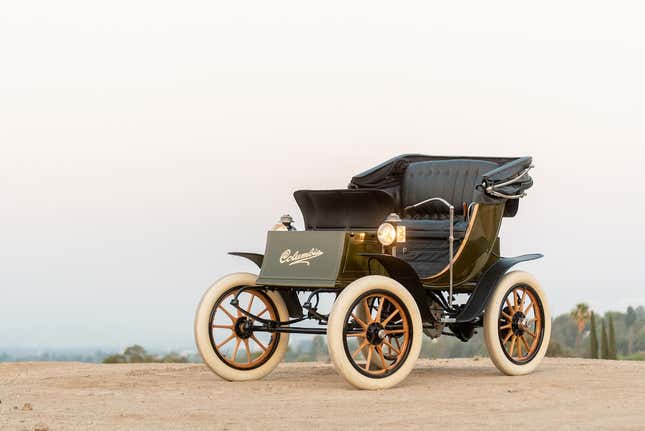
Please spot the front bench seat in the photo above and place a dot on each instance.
(452, 180)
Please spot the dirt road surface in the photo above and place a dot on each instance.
(455, 394)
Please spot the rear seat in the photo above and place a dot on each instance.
(452, 180)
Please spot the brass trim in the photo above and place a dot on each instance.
(469, 229)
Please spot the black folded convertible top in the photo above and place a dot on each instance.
(505, 183)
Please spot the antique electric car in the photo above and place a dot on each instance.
(411, 247)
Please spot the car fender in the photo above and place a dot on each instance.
(288, 295)
(402, 272)
(486, 284)
(256, 258)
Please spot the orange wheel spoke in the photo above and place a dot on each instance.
(237, 346)
(357, 334)
(368, 312)
(230, 316)
(508, 325)
(380, 309)
(359, 321)
(398, 352)
(225, 341)
(526, 345)
(528, 307)
(380, 352)
(248, 309)
(512, 345)
(224, 327)
(516, 300)
(508, 336)
(262, 312)
(248, 350)
(386, 321)
(508, 316)
(360, 348)
(260, 345)
(369, 358)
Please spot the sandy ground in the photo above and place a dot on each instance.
(458, 394)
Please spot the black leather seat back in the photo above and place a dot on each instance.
(344, 209)
(452, 180)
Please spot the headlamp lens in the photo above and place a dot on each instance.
(386, 234)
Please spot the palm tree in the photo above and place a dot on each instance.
(580, 314)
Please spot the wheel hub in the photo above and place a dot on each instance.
(518, 323)
(375, 333)
(243, 327)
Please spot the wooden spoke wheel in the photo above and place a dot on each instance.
(379, 340)
(225, 336)
(232, 335)
(517, 324)
(374, 332)
(520, 324)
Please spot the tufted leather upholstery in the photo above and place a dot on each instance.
(452, 180)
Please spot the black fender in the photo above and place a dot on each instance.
(289, 296)
(487, 283)
(256, 258)
(402, 272)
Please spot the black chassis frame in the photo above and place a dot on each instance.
(462, 320)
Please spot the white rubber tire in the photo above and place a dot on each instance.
(491, 323)
(202, 330)
(336, 324)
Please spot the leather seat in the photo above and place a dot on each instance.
(452, 180)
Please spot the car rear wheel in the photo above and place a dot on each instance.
(225, 337)
(378, 347)
(517, 324)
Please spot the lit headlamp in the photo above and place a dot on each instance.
(390, 231)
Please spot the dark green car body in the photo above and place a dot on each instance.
(336, 258)
(340, 242)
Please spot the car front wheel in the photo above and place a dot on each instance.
(378, 347)
(225, 337)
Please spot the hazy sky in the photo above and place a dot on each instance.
(141, 140)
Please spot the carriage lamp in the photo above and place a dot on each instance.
(285, 224)
(390, 231)
(279, 227)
